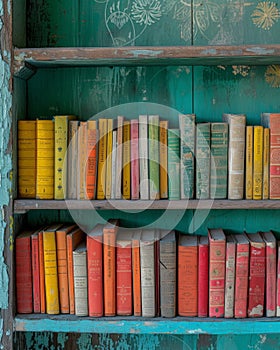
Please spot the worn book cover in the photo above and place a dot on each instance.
(135, 174)
(203, 276)
(173, 164)
(153, 151)
(258, 162)
(102, 156)
(136, 272)
(230, 276)
(143, 157)
(126, 160)
(80, 279)
(249, 162)
(202, 153)
(91, 164)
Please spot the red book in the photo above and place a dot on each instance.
(36, 272)
(95, 271)
(42, 273)
(124, 272)
(270, 285)
(278, 282)
(109, 264)
(203, 275)
(135, 181)
(24, 273)
(256, 275)
(91, 166)
(187, 275)
(136, 273)
(217, 255)
(230, 276)
(241, 276)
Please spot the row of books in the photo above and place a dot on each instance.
(144, 159)
(151, 272)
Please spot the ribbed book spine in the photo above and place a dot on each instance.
(153, 151)
(173, 164)
(202, 160)
(249, 162)
(258, 162)
(80, 280)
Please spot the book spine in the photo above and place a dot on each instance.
(109, 159)
(219, 161)
(72, 159)
(274, 186)
(102, 155)
(126, 160)
(270, 284)
(42, 273)
(163, 177)
(143, 156)
(24, 275)
(202, 160)
(82, 160)
(229, 279)
(62, 272)
(51, 281)
(119, 164)
(258, 162)
(95, 275)
(114, 165)
(187, 145)
(173, 164)
(91, 167)
(124, 278)
(249, 163)
(203, 276)
(153, 151)
(278, 281)
(35, 273)
(136, 274)
(80, 282)
(168, 278)
(135, 176)
(266, 142)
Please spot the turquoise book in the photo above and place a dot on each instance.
(173, 164)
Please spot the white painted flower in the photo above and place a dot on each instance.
(272, 75)
(265, 15)
(146, 12)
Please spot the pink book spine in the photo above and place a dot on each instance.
(203, 275)
(230, 279)
(134, 160)
(271, 280)
(278, 282)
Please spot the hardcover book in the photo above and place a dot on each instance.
(143, 157)
(203, 276)
(173, 164)
(136, 272)
(278, 281)
(126, 160)
(110, 127)
(72, 159)
(249, 162)
(163, 153)
(135, 174)
(119, 162)
(80, 279)
(102, 156)
(230, 276)
(91, 165)
(82, 160)
(35, 272)
(153, 151)
(202, 153)
(266, 172)
(258, 162)
(42, 273)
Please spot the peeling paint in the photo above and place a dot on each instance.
(261, 50)
(150, 53)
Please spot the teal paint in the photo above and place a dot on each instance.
(62, 339)
(84, 342)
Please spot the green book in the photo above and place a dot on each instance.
(202, 160)
(219, 160)
(173, 163)
(187, 143)
(154, 156)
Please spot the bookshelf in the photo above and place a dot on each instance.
(45, 81)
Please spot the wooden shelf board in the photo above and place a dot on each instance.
(178, 325)
(145, 55)
(23, 205)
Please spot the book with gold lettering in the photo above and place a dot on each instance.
(126, 160)
(109, 158)
(258, 162)
(163, 163)
(249, 162)
(153, 151)
(91, 164)
(266, 142)
(102, 155)
(82, 160)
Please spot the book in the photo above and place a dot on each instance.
(147, 264)
(51, 274)
(42, 273)
(109, 263)
(256, 275)
(91, 164)
(82, 160)
(126, 160)
(258, 162)
(61, 137)
(72, 159)
(109, 158)
(153, 151)
(95, 271)
(241, 276)
(80, 279)
(124, 272)
(217, 254)
(203, 276)
(102, 156)
(135, 172)
(119, 161)
(173, 155)
(62, 271)
(114, 164)
(163, 152)
(187, 275)
(236, 154)
(23, 272)
(249, 162)
(45, 159)
(143, 157)
(270, 273)
(230, 276)
(168, 280)
(136, 272)
(157, 238)
(187, 150)
(218, 160)
(73, 239)
(35, 271)
(202, 153)
(278, 281)
(266, 173)
(26, 165)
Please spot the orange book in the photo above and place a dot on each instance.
(136, 273)
(91, 168)
(35, 272)
(109, 263)
(187, 275)
(42, 273)
(61, 247)
(73, 239)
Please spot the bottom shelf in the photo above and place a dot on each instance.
(140, 325)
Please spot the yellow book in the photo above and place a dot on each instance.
(72, 157)
(50, 268)
(126, 159)
(82, 160)
(45, 159)
(109, 158)
(249, 163)
(258, 162)
(102, 154)
(266, 155)
(163, 126)
(61, 123)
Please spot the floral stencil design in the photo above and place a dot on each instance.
(272, 75)
(146, 11)
(242, 70)
(265, 15)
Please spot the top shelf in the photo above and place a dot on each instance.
(33, 58)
